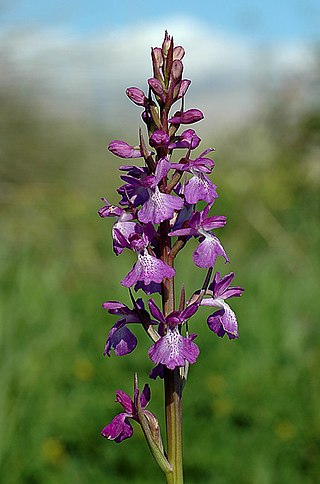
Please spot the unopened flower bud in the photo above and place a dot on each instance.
(166, 44)
(157, 88)
(184, 86)
(136, 95)
(176, 70)
(123, 149)
(159, 138)
(188, 117)
(178, 52)
(158, 57)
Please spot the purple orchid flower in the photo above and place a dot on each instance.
(120, 428)
(158, 206)
(123, 225)
(188, 139)
(224, 320)
(148, 269)
(133, 193)
(173, 349)
(120, 338)
(210, 247)
(199, 187)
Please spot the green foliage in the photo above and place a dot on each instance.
(250, 406)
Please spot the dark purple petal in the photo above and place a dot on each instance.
(123, 149)
(132, 194)
(119, 429)
(224, 321)
(157, 371)
(124, 399)
(207, 251)
(120, 339)
(145, 396)
(155, 311)
(221, 289)
(189, 311)
(148, 288)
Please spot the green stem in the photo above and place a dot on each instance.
(173, 407)
(172, 379)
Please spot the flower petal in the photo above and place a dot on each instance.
(159, 207)
(200, 187)
(207, 251)
(148, 269)
(121, 340)
(173, 350)
(224, 321)
(119, 429)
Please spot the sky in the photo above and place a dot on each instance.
(76, 57)
(260, 20)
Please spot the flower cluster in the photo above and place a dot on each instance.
(156, 216)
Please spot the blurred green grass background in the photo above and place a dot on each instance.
(250, 406)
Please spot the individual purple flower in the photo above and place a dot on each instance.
(188, 117)
(159, 206)
(188, 139)
(120, 428)
(133, 193)
(199, 187)
(224, 320)
(210, 247)
(123, 149)
(148, 269)
(120, 338)
(173, 349)
(122, 227)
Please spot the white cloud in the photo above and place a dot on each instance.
(80, 76)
